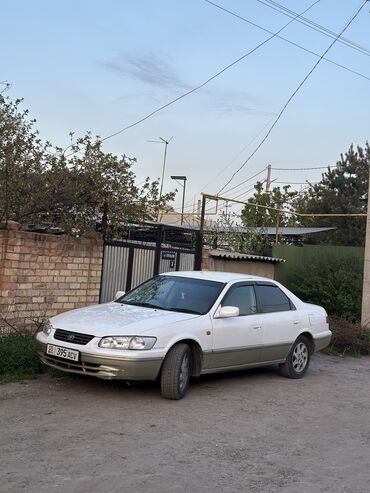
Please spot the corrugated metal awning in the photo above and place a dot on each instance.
(243, 256)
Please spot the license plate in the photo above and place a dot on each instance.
(62, 352)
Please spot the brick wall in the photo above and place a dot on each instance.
(42, 275)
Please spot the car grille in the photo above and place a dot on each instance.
(80, 367)
(76, 367)
(72, 337)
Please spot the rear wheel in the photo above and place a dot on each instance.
(176, 372)
(298, 359)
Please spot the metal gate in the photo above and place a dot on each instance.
(128, 263)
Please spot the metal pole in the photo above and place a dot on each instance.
(268, 179)
(199, 250)
(183, 202)
(163, 169)
(365, 314)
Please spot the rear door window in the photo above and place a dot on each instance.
(272, 299)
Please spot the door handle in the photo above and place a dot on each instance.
(296, 322)
(256, 327)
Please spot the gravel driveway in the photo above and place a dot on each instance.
(252, 431)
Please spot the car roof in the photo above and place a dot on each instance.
(215, 276)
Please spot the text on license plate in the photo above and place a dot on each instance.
(62, 352)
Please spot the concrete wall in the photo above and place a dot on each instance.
(42, 275)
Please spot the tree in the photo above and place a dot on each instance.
(226, 235)
(76, 192)
(21, 161)
(342, 190)
(260, 217)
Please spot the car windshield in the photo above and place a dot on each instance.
(173, 293)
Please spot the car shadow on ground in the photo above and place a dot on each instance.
(87, 384)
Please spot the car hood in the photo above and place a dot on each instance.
(117, 319)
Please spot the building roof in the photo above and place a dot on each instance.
(226, 255)
(215, 276)
(290, 231)
(271, 231)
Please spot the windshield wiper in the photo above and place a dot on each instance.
(183, 310)
(145, 305)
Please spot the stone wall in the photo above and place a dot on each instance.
(42, 274)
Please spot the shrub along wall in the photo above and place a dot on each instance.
(330, 276)
(42, 274)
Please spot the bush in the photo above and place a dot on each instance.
(334, 283)
(349, 337)
(18, 357)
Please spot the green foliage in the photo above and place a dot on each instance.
(261, 218)
(225, 236)
(18, 357)
(349, 338)
(334, 283)
(78, 189)
(343, 189)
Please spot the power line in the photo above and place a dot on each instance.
(239, 154)
(287, 40)
(353, 17)
(313, 25)
(243, 193)
(245, 181)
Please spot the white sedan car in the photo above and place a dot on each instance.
(183, 324)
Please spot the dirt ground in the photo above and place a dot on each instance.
(253, 431)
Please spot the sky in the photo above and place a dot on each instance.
(100, 66)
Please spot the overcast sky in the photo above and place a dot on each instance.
(101, 65)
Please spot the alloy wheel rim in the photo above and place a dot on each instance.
(300, 357)
(184, 372)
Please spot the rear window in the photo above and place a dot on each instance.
(272, 299)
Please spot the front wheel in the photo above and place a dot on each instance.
(298, 359)
(176, 372)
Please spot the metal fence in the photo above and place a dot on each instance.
(128, 263)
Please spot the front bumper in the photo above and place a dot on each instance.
(108, 368)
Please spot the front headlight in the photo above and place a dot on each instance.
(127, 342)
(47, 327)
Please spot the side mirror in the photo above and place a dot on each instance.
(228, 311)
(119, 294)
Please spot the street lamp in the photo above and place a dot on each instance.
(182, 178)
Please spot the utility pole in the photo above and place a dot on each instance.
(268, 179)
(365, 315)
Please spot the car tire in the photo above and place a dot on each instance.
(176, 372)
(298, 359)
